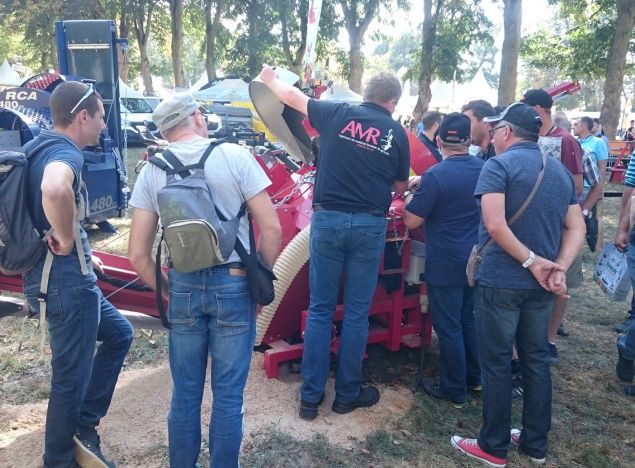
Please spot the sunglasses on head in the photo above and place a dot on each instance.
(89, 91)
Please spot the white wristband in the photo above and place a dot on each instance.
(530, 260)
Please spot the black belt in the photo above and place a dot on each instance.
(372, 211)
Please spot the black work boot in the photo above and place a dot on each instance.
(309, 410)
(625, 368)
(368, 396)
(87, 449)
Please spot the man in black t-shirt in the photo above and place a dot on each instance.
(364, 154)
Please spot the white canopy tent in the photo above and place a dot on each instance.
(227, 90)
(8, 77)
(341, 93)
(126, 91)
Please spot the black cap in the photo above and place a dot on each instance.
(455, 128)
(519, 114)
(537, 97)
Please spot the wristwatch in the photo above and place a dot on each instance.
(585, 213)
(530, 260)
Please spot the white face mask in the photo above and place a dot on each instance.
(474, 150)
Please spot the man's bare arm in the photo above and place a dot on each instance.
(623, 225)
(400, 186)
(572, 236)
(266, 218)
(142, 234)
(58, 201)
(289, 95)
(595, 195)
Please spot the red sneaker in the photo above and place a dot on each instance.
(470, 448)
(514, 437)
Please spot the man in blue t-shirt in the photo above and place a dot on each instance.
(521, 269)
(364, 154)
(78, 315)
(445, 200)
(599, 151)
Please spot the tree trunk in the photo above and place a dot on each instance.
(512, 16)
(124, 32)
(610, 112)
(211, 31)
(254, 62)
(176, 22)
(356, 29)
(141, 28)
(294, 60)
(357, 66)
(425, 78)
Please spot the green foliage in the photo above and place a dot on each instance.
(462, 44)
(579, 42)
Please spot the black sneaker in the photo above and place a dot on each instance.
(517, 387)
(562, 331)
(309, 410)
(368, 396)
(625, 368)
(87, 450)
(432, 388)
(625, 325)
(554, 355)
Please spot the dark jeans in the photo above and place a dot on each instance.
(350, 244)
(82, 381)
(502, 317)
(452, 309)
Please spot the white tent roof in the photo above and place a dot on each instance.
(126, 91)
(8, 76)
(341, 93)
(229, 90)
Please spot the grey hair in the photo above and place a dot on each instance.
(561, 121)
(520, 132)
(382, 88)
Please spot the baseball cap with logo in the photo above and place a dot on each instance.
(519, 114)
(455, 128)
(174, 110)
(537, 97)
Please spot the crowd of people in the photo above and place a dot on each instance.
(528, 191)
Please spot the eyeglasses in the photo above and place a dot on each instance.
(203, 114)
(493, 130)
(89, 91)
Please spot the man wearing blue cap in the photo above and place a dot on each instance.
(521, 269)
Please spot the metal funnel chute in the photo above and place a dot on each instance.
(283, 121)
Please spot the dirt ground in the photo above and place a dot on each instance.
(134, 431)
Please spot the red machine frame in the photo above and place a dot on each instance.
(398, 314)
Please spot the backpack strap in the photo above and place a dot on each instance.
(176, 166)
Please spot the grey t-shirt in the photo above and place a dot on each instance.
(514, 174)
(232, 173)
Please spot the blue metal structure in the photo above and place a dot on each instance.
(87, 50)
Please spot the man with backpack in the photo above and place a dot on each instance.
(210, 310)
(62, 285)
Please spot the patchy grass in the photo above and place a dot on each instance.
(593, 423)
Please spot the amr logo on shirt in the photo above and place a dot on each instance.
(367, 138)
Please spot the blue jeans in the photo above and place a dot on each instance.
(82, 381)
(630, 261)
(502, 317)
(341, 243)
(452, 309)
(211, 313)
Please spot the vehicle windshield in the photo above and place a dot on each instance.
(137, 105)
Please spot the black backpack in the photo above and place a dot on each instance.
(21, 245)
